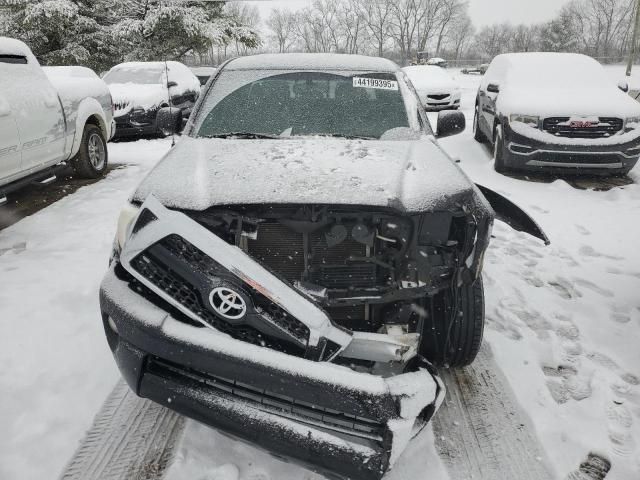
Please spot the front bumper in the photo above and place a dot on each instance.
(327, 416)
(324, 416)
(449, 102)
(528, 154)
(138, 124)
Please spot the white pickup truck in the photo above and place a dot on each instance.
(48, 120)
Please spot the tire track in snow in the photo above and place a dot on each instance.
(480, 430)
(131, 439)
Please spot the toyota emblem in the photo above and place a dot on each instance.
(227, 303)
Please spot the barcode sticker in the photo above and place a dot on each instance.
(379, 83)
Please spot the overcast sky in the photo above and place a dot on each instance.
(482, 12)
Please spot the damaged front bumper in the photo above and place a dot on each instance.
(330, 417)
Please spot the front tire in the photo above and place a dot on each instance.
(499, 163)
(478, 136)
(92, 158)
(454, 341)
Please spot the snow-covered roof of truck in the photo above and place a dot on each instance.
(11, 46)
(315, 61)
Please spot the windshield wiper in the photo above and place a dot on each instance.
(241, 135)
(344, 135)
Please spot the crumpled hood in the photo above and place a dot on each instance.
(410, 176)
(600, 102)
(127, 96)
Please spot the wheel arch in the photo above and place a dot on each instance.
(89, 112)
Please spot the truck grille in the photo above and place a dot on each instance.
(282, 250)
(560, 126)
(158, 264)
(272, 402)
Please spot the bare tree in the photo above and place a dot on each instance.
(377, 17)
(281, 22)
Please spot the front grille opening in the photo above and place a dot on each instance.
(272, 402)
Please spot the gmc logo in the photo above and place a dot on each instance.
(581, 124)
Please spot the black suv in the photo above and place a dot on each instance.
(556, 112)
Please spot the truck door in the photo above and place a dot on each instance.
(37, 113)
(10, 155)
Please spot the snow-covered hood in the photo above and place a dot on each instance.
(410, 176)
(585, 102)
(127, 96)
(436, 86)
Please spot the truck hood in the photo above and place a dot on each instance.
(410, 176)
(561, 102)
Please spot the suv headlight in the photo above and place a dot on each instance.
(631, 123)
(125, 220)
(530, 120)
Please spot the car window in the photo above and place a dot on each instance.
(140, 75)
(307, 103)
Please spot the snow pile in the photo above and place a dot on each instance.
(11, 46)
(431, 79)
(314, 61)
(74, 84)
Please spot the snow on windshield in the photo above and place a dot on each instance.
(289, 103)
(556, 70)
(141, 75)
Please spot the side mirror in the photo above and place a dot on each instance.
(624, 86)
(493, 88)
(169, 120)
(450, 122)
(171, 83)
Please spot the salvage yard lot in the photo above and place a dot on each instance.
(562, 322)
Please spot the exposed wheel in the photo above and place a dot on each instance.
(454, 340)
(478, 136)
(498, 150)
(92, 158)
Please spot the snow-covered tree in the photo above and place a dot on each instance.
(170, 29)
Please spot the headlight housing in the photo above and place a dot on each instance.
(530, 120)
(631, 123)
(125, 221)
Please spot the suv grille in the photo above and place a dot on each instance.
(155, 265)
(561, 127)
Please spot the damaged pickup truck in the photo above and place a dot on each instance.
(296, 267)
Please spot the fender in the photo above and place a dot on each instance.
(511, 214)
(86, 108)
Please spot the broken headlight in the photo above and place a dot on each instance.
(125, 222)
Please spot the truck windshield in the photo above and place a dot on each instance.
(255, 103)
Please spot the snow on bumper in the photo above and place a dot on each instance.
(321, 414)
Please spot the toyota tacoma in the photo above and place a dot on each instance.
(296, 267)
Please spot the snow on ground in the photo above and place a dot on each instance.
(563, 323)
(564, 320)
(56, 365)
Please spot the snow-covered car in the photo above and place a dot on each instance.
(479, 69)
(140, 89)
(293, 268)
(438, 62)
(556, 112)
(435, 86)
(203, 73)
(46, 121)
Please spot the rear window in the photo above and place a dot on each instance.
(18, 59)
(305, 103)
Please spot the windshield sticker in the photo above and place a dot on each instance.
(379, 83)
